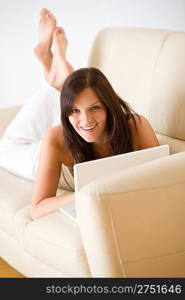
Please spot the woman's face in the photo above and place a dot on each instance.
(88, 116)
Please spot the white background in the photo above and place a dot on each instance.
(21, 73)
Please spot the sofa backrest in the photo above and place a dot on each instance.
(147, 69)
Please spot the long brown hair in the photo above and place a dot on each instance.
(118, 113)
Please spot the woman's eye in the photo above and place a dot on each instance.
(95, 107)
(74, 110)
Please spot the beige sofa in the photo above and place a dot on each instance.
(131, 223)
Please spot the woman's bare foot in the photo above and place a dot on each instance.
(47, 26)
(60, 67)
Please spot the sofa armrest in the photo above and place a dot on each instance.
(6, 115)
(132, 222)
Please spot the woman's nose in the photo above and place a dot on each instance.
(86, 118)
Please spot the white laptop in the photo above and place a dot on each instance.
(86, 172)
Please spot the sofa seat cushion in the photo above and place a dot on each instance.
(15, 193)
(54, 239)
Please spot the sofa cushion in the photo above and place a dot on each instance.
(15, 193)
(54, 239)
(167, 105)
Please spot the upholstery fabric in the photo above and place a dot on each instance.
(137, 208)
(53, 240)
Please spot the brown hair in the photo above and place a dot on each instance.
(118, 114)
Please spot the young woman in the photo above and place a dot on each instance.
(95, 122)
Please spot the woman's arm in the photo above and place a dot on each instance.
(44, 199)
(143, 134)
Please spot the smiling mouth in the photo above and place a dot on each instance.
(88, 128)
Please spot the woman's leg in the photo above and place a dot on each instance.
(55, 65)
(42, 110)
(60, 67)
(20, 159)
(39, 113)
(46, 27)
(20, 145)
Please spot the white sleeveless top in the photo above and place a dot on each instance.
(66, 181)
